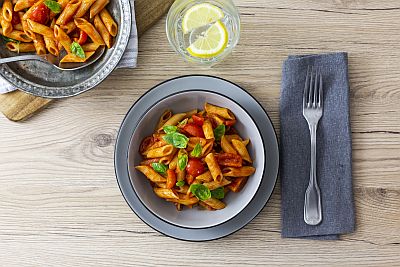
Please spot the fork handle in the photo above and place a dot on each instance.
(312, 201)
(20, 58)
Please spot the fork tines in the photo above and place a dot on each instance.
(313, 94)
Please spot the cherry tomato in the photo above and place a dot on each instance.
(198, 120)
(82, 37)
(15, 19)
(40, 14)
(193, 130)
(194, 167)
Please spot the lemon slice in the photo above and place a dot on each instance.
(213, 42)
(200, 15)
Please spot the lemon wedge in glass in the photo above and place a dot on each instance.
(200, 15)
(212, 43)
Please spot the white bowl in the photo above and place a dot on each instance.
(235, 202)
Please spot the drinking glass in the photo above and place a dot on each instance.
(180, 41)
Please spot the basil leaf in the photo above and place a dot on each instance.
(53, 6)
(182, 161)
(169, 129)
(218, 193)
(219, 132)
(7, 39)
(180, 140)
(159, 167)
(77, 50)
(180, 183)
(200, 191)
(169, 138)
(196, 152)
(176, 139)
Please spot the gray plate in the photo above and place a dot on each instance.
(203, 83)
(41, 79)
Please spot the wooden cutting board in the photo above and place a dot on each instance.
(18, 105)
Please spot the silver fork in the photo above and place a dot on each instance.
(312, 112)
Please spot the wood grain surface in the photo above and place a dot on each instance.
(60, 203)
(19, 105)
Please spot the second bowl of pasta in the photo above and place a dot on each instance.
(71, 31)
(196, 159)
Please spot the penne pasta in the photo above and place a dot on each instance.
(160, 151)
(214, 184)
(19, 36)
(205, 177)
(90, 47)
(109, 22)
(216, 119)
(5, 25)
(215, 203)
(207, 148)
(87, 27)
(238, 172)
(151, 174)
(180, 174)
(84, 7)
(98, 24)
(242, 150)
(227, 146)
(63, 39)
(166, 193)
(162, 185)
(173, 121)
(237, 184)
(23, 4)
(208, 130)
(7, 10)
(63, 3)
(222, 112)
(21, 47)
(71, 58)
(164, 118)
(97, 7)
(213, 167)
(25, 27)
(40, 29)
(174, 162)
(69, 27)
(167, 159)
(68, 12)
(230, 137)
(40, 47)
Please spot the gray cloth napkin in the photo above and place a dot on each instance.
(334, 172)
(128, 60)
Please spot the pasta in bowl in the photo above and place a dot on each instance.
(198, 161)
(43, 79)
(79, 27)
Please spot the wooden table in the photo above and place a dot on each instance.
(59, 201)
